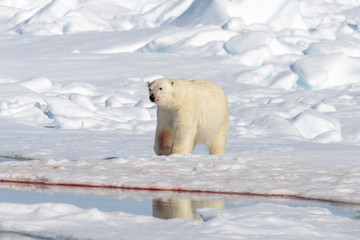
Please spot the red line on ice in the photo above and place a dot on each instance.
(179, 190)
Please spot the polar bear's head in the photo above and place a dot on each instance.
(160, 90)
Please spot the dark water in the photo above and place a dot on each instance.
(158, 204)
(161, 205)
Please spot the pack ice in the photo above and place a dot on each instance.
(73, 99)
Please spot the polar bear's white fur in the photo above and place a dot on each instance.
(189, 112)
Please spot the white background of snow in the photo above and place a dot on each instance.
(72, 92)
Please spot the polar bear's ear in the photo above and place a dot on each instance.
(148, 83)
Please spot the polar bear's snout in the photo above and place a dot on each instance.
(152, 97)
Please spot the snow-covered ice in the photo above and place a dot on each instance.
(61, 221)
(73, 98)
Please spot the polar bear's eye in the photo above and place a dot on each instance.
(160, 88)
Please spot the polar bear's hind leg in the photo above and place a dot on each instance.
(218, 143)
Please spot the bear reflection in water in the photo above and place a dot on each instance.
(182, 208)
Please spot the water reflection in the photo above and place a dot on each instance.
(163, 205)
(182, 208)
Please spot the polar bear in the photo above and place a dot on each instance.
(189, 112)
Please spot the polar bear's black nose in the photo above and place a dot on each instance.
(152, 98)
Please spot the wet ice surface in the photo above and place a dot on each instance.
(31, 212)
(86, 199)
(162, 205)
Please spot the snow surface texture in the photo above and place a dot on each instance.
(73, 97)
(60, 221)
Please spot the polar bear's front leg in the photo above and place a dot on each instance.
(184, 134)
(164, 132)
(183, 140)
(163, 142)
